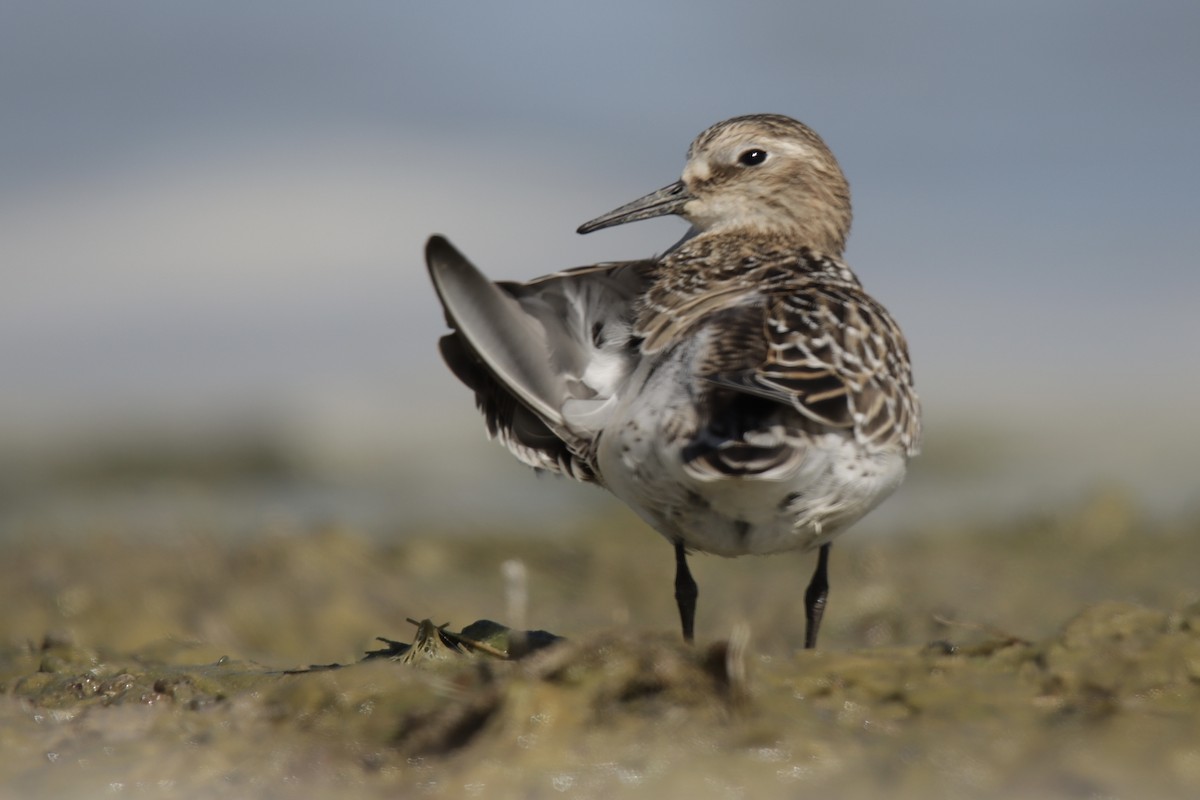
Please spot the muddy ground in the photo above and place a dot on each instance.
(1053, 656)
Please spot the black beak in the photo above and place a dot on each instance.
(667, 200)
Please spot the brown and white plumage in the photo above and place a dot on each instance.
(742, 393)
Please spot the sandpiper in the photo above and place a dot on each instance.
(741, 392)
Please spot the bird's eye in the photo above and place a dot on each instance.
(752, 158)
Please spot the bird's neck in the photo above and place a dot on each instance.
(710, 259)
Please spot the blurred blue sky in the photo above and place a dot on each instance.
(213, 213)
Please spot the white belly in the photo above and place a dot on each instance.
(835, 484)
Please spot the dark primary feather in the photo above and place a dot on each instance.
(520, 430)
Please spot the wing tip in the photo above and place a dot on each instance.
(448, 267)
(439, 251)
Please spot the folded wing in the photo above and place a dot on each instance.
(785, 362)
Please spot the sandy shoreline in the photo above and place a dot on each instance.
(1054, 657)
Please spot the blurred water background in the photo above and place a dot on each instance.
(214, 313)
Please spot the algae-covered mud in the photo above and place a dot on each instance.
(1052, 657)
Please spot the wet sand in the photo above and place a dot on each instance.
(1054, 656)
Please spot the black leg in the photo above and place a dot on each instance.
(814, 598)
(685, 592)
